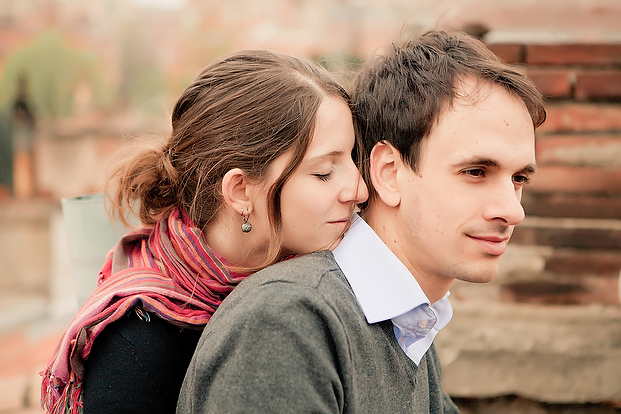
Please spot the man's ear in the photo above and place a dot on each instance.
(384, 164)
(236, 191)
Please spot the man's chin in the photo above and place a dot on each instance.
(481, 274)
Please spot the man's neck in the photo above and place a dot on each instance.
(378, 217)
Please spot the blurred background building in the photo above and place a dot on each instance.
(78, 79)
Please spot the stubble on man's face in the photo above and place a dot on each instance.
(458, 211)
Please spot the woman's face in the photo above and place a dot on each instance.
(318, 200)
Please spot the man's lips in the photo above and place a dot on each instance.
(493, 245)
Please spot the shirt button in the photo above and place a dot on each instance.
(423, 323)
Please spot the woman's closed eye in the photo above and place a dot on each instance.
(324, 177)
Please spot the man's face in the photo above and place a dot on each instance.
(459, 209)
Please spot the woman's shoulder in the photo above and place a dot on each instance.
(140, 336)
(137, 355)
(149, 334)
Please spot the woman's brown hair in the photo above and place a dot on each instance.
(243, 111)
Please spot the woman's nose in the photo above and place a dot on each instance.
(356, 190)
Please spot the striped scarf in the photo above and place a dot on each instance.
(168, 270)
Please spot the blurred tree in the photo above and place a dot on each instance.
(343, 66)
(23, 122)
(53, 70)
(143, 83)
(6, 155)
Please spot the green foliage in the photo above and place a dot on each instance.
(143, 83)
(52, 70)
(344, 67)
(339, 63)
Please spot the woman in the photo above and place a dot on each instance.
(258, 167)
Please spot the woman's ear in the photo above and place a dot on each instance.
(384, 164)
(236, 191)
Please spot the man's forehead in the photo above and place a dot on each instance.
(484, 123)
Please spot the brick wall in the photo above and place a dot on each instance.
(573, 204)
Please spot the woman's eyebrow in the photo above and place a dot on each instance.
(328, 155)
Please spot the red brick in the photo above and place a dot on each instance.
(598, 84)
(567, 237)
(586, 180)
(507, 52)
(585, 290)
(21, 353)
(572, 205)
(572, 262)
(579, 150)
(602, 289)
(573, 54)
(553, 83)
(582, 117)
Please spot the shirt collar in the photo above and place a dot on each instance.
(416, 329)
(382, 284)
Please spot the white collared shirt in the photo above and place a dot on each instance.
(385, 289)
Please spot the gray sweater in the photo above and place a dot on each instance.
(292, 339)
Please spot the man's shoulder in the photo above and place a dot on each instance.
(285, 292)
(312, 278)
(307, 270)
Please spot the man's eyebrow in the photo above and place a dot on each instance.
(529, 169)
(488, 162)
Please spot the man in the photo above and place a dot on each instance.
(449, 136)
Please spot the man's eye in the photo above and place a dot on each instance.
(475, 172)
(521, 179)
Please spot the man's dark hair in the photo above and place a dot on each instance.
(399, 97)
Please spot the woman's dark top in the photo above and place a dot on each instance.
(137, 365)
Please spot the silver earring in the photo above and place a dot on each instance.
(246, 227)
